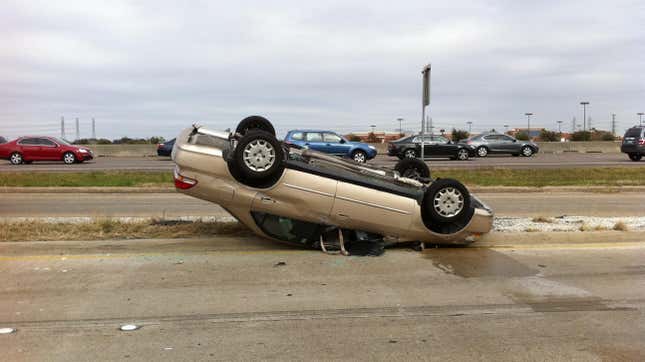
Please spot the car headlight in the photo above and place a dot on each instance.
(82, 150)
(372, 147)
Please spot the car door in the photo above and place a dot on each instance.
(444, 148)
(297, 138)
(49, 150)
(314, 141)
(509, 144)
(360, 208)
(335, 144)
(493, 143)
(30, 148)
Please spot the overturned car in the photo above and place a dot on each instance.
(312, 199)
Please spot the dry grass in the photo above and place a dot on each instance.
(620, 226)
(532, 230)
(587, 227)
(543, 219)
(101, 229)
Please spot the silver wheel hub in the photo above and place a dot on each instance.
(16, 158)
(69, 158)
(359, 157)
(448, 202)
(259, 155)
(482, 152)
(527, 151)
(409, 154)
(463, 154)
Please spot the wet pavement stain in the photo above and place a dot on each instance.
(477, 262)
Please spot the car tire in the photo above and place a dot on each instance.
(69, 158)
(462, 155)
(16, 158)
(445, 201)
(482, 151)
(412, 168)
(359, 156)
(527, 151)
(259, 155)
(410, 153)
(635, 157)
(255, 123)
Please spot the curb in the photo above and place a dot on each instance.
(78, 190)
(597, 239)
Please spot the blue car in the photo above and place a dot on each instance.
(330, 142)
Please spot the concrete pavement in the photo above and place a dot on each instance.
(229, 299)
(174, 204)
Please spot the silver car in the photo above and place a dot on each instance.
(490, 143)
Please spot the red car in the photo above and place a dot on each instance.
(43, 148)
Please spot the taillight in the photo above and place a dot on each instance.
(159, 145)
(182, 182)
(469, 142)
(641, 141)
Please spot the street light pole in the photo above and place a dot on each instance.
(528, 124)
(640, 118)
(470, 128)
(584, 119)
(559, 127)
(400, 125)
(505, 128)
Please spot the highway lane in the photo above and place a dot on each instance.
(232, 299)
(174, 204)
(563, 160)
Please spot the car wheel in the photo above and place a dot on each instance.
(462, 155)
(446, 200)
(15, 158)
(410, 153)
(259, 155)
(635, 157)
(412, 168)
(255, 123)
(527, 151)
(359, 156)
(482, 151)
(69, 158)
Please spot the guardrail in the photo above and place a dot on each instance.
(545, 147)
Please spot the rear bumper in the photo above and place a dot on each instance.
(632, 148)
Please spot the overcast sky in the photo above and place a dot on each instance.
(144, 68)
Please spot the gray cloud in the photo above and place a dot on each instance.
(153, 67)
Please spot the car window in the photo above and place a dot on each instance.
(46, 142)
(331, 138)
(298, 136)
(3, 140)
(28, 141)
(633, 132)
(284, 228)
(440, 139)
(313, 137)
(506, 138)
(492, 137)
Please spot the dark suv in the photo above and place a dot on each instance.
(434, 146)
(634, 143)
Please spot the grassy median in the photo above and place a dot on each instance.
(105, 229)
(600, 176)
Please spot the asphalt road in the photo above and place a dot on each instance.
(230, 299)
(174, 204)
(538, 161)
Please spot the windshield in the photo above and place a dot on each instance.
(633, 132)
(62, 141)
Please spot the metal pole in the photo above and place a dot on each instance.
(559, 127)
(62, 127)
(78, 133)
(528, 124)
(613, 124)
(470, 126)
(400, 126)
(640, 118)
(93, 128)
(584, 119)
(505, 128)
(425, 101)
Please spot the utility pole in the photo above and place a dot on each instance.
(589, 123)
(505, 128)
(62, 127)
(93, 129)
(425, 101)
(559, 127)
(400, 125)
(573, 124)
(640, 118)
(470, 126)
(528, 123)
(78, 133)
(584, 119)
(613, 124)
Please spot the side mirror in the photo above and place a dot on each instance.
(450, 142)
(514, 140)
(342, 140)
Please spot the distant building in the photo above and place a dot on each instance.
(534, 132)
(376, 137)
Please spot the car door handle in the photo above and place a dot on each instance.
(267, 200)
